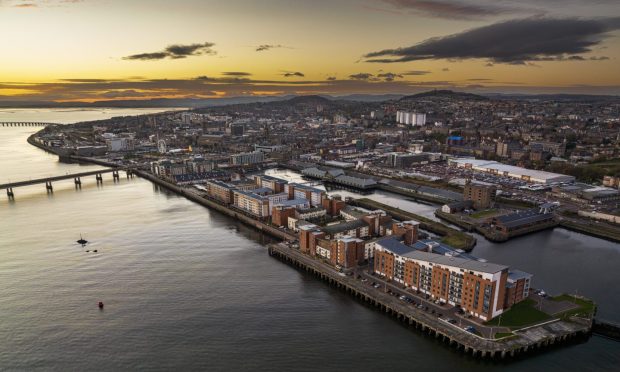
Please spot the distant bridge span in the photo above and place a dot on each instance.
(76, 178)
(25, 124)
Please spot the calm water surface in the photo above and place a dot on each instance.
(186, 288)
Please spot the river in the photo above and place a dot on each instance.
(186, 288)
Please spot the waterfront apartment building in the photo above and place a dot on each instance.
(254, 204)
(478, 287)
(220, 191)
(247, 158)
(275, 184)
(297, 191)
(481, 195)
(346, 252)
(517, 287)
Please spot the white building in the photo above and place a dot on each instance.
(247, 158)
(410, 118)
(524, 174)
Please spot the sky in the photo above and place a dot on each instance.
(91, 50)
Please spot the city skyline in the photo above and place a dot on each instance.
(67, 50)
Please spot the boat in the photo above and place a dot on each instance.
(82, 241)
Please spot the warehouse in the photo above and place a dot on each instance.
(524, 174)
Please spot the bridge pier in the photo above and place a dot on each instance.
(99, 178)
(115, 176)
(78, 182)
(10, 194)
(48, 187)
(129, 174)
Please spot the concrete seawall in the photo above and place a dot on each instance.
(268, 229)
(238, 215)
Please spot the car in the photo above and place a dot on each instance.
(402, 298)
(470, 329)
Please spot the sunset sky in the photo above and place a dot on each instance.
(111, 49)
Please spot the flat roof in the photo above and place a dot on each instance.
(399, 248)
(519, 218)
(344, 226)
(500, 167)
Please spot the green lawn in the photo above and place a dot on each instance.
(520, 315)
(586, 307)
(455, 240)
(503, 334)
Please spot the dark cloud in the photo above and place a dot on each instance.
(331, 78)
(176, 51)
(479, 79)
(292, 74)
(445, 69)
(266, 47)
(416, 73)
(450, 9)
(361, 76)
(389, 76)
(236, 73)
(513, 42)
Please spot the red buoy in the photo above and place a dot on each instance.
(100, 305)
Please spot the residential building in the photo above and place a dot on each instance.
(478, 287)
(481, 195)
(247, 158)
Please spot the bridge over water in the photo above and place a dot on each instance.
(25, 124)
(77, 179)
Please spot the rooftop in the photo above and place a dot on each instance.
(343, 226)
(465, 262)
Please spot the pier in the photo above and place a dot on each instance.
(25, 124)
(77, 180)
(527, 340)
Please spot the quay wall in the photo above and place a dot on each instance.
(277, 233)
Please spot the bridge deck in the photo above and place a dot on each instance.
(56, 178)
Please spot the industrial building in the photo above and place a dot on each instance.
(524, 174)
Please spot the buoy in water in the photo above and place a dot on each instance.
(100, 305)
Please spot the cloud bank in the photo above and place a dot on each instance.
(514, 42)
